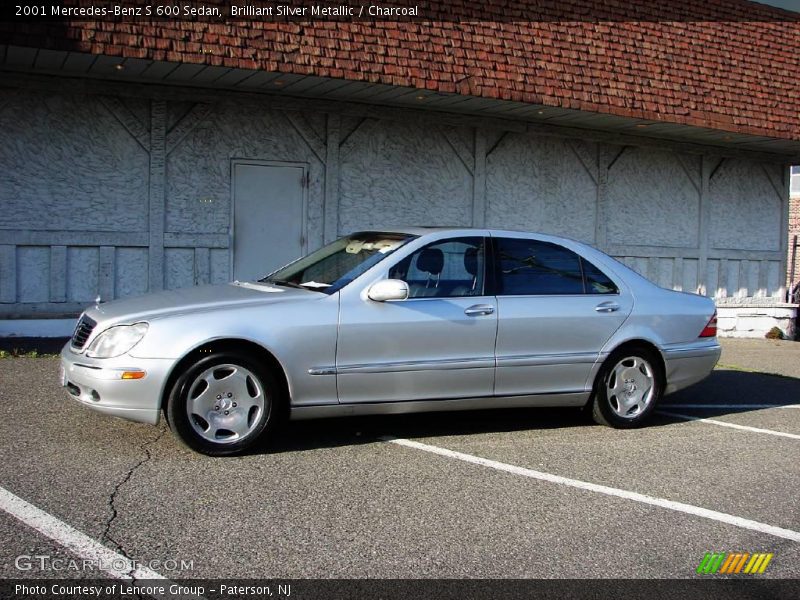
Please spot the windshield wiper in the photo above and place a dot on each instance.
(299, 286)
(315, 285)
(284, 283)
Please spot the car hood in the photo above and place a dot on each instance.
(194, 299)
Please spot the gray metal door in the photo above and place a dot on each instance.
(268, 216)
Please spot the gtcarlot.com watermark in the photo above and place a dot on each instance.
(45, 562)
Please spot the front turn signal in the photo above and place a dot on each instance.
(133, 374)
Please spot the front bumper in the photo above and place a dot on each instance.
(97, 384)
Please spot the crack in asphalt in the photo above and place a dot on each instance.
(145, 447)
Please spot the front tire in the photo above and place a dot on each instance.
(628, 388)
(224, 404)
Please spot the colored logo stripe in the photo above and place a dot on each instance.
(758, 564)
(711, 562)
(734, 563)
(732, 558)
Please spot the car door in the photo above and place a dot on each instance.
(556, 312)
(437, 344)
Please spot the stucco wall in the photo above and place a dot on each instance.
(540, 184)
(120, 195)
(398, 173)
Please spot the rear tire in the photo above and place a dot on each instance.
(224, 404)
(628, 388)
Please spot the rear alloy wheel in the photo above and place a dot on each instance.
(628, 388)
(223, 404)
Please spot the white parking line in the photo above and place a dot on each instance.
(668, 413)
(731, 406)
(690, 509)
(76, 542)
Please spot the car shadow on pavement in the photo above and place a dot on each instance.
(729, 391)
(724, 392)
(346, 431)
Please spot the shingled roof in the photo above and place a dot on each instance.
(730, 65)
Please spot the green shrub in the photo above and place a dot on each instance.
(774, 334)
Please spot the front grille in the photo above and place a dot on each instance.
(82, 332)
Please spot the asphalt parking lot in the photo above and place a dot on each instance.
(497, 494)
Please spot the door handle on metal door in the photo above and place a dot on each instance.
(607, 307)
(479, 309)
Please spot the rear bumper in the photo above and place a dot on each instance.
(97, 384)
(688, 364)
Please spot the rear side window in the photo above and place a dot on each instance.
(532, 267)
(597, 282)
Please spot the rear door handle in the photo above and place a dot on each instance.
(479, 309)
(607, 307)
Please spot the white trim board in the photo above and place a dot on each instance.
(36, 327)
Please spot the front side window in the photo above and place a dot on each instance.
(331, 268)
(537, 268)
(447, 268)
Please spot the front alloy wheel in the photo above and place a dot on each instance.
(226, 403)
(223, 404)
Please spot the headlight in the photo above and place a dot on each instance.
(116, 340)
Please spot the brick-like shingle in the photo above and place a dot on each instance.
(728, 64)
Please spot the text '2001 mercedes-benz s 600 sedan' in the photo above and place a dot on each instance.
(408, 320)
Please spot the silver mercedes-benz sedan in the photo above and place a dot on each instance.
(407, 320)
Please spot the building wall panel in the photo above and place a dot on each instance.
(179, 267)
(774, 279)
(653, 200)
(131, 272)
(638, 264)
(82, 272)
(750, 278)
(713, 283)
(68, 164)
(401, 173)
(220, 265)
(689, 275)
(735, 285)
(540, 184)
(664, 272)
(33, 273)
(745, 208)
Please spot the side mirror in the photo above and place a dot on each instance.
(388, 289)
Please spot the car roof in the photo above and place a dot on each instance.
(420, 230)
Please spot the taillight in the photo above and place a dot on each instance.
(710, 330)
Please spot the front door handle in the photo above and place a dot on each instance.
(607, 307)
(479, 309)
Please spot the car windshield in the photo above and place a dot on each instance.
(332, 267)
